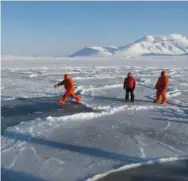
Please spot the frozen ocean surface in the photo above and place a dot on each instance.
(42, 140)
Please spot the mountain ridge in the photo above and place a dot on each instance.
(173, 44)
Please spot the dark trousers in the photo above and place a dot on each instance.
(131, 91)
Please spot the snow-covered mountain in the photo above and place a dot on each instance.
(174, 44)
(95, 51)
(166, 45)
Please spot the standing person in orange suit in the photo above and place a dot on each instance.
(129, 86)
(69, 86)
(162, 86)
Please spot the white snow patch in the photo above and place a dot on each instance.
(33, 75)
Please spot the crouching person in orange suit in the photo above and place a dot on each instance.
(69, 86)
(162, 86)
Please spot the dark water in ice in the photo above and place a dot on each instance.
(167, 171)
(25, 109)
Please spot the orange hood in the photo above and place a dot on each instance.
(163, 73)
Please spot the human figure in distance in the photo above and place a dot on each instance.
(129, 86)
(69, 86)
(162, 86)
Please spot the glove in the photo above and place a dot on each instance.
(55, 85)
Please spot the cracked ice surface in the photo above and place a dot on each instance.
(105, 133)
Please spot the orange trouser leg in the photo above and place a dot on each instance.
(74, 96)
(64, 98)
(158, 97)
(164, 98)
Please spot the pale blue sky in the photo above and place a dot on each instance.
(60, 28)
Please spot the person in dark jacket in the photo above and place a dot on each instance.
(129, 86)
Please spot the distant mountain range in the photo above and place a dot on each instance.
(174, 44)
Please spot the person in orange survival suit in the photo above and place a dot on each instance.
(162, 86)
(69, 86)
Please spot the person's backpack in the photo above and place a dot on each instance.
(129, 82)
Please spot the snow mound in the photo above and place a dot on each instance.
(148, 38)
(94, 51)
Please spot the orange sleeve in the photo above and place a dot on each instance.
(61, 83)
(157, 84)
(134, 82)
(166, 82)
